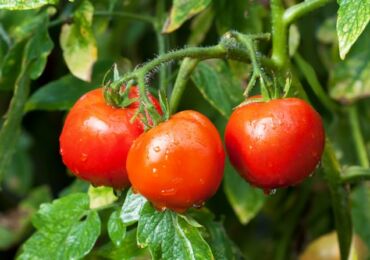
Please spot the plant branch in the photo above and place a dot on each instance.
(299, 10)
(161, 42)
(279, 35)
(186, 68)
(357, 136)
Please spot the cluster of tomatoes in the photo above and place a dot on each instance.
(179, 163)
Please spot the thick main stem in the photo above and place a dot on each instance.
(279, 34)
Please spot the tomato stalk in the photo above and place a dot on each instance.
(357, 136)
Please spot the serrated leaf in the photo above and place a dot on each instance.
(116, 228)
(181, 11)
(218, 86)
(59, 94)
(24, 5)
(101, 196)
(169, 236)
(66, 229)
(353, 16)
(245, 200)
(350, 79)
(128, 249)
(221, 245)
(76, 186)
(131, 208)
(78, 42)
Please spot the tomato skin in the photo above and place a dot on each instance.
(96, 138)
(179, 163)
(276, 143)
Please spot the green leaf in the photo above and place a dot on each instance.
(170, 235)
(245, 200)
(181, 11)
(218, 86)
(200, 27)
(59, 94)
(16, 223)
(243, 16)
(353, 16)
(78, 42)
(360, 212)
(38, 49)
(101, 196)
(18, 176)
(131, 208)
(350, 79)
(24, 5)
(116, 228)
(128, 249)
(76, 186)
(66, 229)
(215, 234)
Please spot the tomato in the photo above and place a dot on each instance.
(276, 143)
(179, 163)
(96, 138)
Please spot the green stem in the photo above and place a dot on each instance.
(339, 200)
(284, 243)
(186, 68)
(311, 77)
(355, 174)
(161, 43)
(299, 10)
(279, 35)
(357, 136)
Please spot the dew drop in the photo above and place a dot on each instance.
(154, 171)
(61, 151)
(157, 149)
(198, 205)
(168, 192)
(83, 157)
(269, 191)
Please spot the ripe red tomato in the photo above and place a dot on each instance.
(179, 163)
(96, 137)
(276, 143)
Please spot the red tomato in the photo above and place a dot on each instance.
(96, 137)
(276, 143)
(179, 163)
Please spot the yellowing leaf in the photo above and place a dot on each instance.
(78, 42)
(183, 10)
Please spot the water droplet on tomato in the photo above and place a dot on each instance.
(157, 149)
(61, 151)
(198, 205)
(250, 147)
(269, 191)
(154, 171)
(159, 207)
(83, 157)
(168, 192)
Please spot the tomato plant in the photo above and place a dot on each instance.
(281, 85)
(178, 164)
(276, 143)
